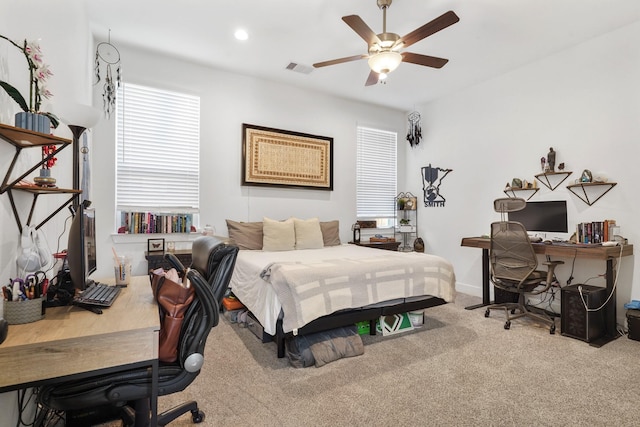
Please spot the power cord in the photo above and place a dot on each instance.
(613, 290)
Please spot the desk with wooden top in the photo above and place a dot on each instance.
(596, 252)
(74, 343)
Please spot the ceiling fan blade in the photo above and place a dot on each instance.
(440, 23)
(428, 61)
(372, 79)
(359, 26)
(339, 61)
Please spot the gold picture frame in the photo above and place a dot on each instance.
(275, 157)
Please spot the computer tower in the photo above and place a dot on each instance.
(576, 321)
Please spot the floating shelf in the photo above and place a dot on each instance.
(591, 192)
(512, 192)
(21, 139)
(552, 180)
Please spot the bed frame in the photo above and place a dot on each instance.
(351, 317)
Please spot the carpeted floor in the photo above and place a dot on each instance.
(459, 369)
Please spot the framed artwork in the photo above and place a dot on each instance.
(274, 157)
(155, 245)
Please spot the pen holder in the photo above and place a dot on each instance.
(27, 311)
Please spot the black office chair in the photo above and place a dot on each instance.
(514, 265)
(129, 391)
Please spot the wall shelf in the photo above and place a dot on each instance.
(552, 180)
(591, 192)
(20, 139)
(525, 193)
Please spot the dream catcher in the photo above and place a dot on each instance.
(414, 134)
(108, 54)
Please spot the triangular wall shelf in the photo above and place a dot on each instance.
(591, 192)
(514, 192)
(552, 180)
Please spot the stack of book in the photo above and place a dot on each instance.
(595, 232)
(149, 222)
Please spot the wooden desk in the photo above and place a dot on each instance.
(75, 343)
(596, 252)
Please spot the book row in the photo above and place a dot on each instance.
(596, 231)
(149, 222)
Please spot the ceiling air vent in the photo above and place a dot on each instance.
(299, 68)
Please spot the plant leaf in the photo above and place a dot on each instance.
(13, 93)
(54, 119)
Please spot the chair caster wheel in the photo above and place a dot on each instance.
(486, 313)
(513, 311)
(552, 330)
(507, 324)
(197, 416)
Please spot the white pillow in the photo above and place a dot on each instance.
(308, 233)
(278, 235)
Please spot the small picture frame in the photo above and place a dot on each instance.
(155, 245)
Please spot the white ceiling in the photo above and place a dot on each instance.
(492, 37)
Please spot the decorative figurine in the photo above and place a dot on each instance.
(586, 176)
(551, 159)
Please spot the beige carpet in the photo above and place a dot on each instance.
(460, 369)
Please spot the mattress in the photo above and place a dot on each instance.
(306, 284)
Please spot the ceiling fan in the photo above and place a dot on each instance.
(384, 55)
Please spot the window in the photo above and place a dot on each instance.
(376, 175)
(158, 150)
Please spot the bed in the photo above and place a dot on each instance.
(294, 291)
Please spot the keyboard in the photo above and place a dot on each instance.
(98, 294)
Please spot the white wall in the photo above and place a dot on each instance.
(227, 101)
(584, 102)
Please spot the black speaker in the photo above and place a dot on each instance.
(576, 321)
(500, 296)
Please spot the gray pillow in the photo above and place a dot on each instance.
(247, 235)
(330, 233)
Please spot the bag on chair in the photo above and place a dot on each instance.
(173, 299)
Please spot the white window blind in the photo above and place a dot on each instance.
(376, 173)
(158, 150)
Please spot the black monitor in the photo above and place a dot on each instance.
(81, 247)
(545, 217)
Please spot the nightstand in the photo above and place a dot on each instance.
(156, 259)
(388, 246)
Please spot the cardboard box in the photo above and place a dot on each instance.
(395, 324)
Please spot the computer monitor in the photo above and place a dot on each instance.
(544, 217)
(81, 247)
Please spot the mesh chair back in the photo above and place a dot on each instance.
(512, 257)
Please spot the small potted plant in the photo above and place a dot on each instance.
(405, 225)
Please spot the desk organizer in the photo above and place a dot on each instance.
(27, 311)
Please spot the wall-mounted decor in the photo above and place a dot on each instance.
(275, 157)
(414, 134)
(108, 54)
(431, 181)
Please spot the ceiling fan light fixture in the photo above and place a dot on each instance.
(384, 62)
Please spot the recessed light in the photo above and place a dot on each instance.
(241, 34)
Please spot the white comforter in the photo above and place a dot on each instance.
(311, 283)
